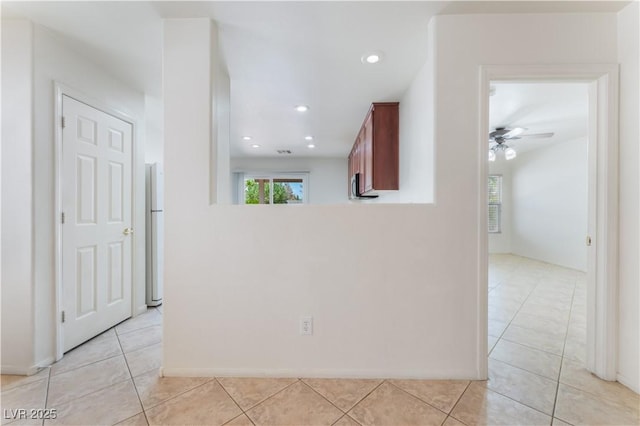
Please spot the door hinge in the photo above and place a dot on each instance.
(588, 241)
(63, 316)
(62, 218)
(63, 122)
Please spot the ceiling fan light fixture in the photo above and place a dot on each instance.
(492, 155)
(510, 153)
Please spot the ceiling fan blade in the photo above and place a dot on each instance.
(538, 135)
(516, 131)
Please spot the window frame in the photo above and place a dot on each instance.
(497, 204)
(271, 176)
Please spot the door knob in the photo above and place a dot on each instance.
(127, 231)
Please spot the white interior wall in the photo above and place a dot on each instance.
(549, 204)
(154, 129)
(629, 274)
(394, 289)
(416, 140)
(501, 242)
(17, 198)
(327, 176)
(54, 61)
(223, 119)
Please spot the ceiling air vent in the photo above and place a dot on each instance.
(284, 152)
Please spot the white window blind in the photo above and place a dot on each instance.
(495, 203)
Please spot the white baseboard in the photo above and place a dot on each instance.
(19, 370)
(46, 362)
(631, 384)
(315, 373)
(140, 310)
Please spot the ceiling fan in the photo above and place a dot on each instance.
(501, 135)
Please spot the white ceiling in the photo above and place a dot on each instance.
(279, 54)
(124, 38)
(560, 108)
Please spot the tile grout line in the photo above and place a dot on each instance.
(46, 397)
(457, 401)
(451, 417)
(350, 418)
(593, 395)
(510, 321)
(325, 398)
(80, 346)
(367, 395)
(297, 379)
(555, 400)
(87, 365)
(239, 415)
(527, 371)
(529, 346)
(93, 392)
(235, 402)
(133, 383)
(519, 402)
(122, 333)
(210, 379)
(344, 413)
(420, 399)
(73, 370)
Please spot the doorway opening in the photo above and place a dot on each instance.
(598, 256)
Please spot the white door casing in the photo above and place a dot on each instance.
(96, 191)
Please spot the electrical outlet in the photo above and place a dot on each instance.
(306, 325)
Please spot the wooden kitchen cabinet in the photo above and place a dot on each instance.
(375, 153)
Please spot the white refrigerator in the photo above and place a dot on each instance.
(155, 233)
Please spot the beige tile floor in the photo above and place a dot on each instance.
(536, 375)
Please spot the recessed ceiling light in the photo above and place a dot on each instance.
(302, 108)
(371, 58)
(311, 146)
(246, 138)
(308, 138)
(255, 145)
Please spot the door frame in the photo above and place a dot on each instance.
(61, 90)
(602, 271)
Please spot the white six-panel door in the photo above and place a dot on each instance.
(96, 233)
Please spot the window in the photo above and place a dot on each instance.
(495, 203)
(274, 189)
